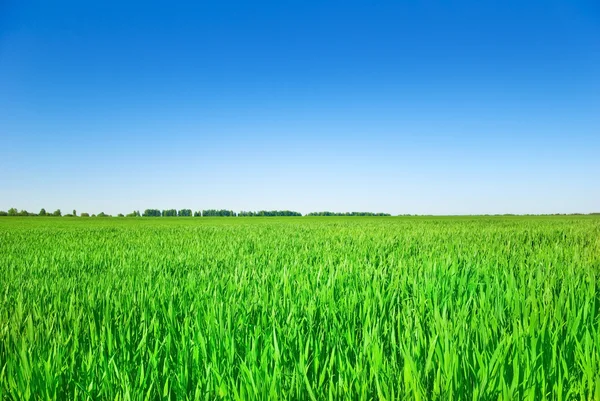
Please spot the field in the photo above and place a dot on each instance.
(303, 308)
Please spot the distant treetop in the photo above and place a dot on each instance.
(347, 214)
(230, 213)
(270, 213)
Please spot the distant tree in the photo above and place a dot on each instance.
(135, 213)
(93, 215)
(347, 214)
(152, 213)
(219, 213)
(12, 212)
(120, 215)
(23, 213)
(169, 213)
(74, 212)
(198, 213)
(270, 213)
(57, 213)
(3, 213)
(42, 212)
(102, 214)
(85, 215)
(184, 213)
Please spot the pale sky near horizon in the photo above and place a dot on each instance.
(402, 107)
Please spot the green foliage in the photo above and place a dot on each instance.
(3, 213)
(169, 213)
(217, 213)
(42, 212)
(152, 213)
(269, 213)
(13, 212)
(348, 214)
(85, 214)
(57, 213)
(185, 213)
(495, 308)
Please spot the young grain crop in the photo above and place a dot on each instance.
(300, 308)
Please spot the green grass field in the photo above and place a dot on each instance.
(465, 308)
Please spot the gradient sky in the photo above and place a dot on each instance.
(425, 107)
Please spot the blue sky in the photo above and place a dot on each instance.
(424, 107)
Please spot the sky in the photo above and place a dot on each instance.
(404, 107)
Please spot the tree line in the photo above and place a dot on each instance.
(216, 213)
(226, 213)
(189, 213)
(269, 213)
(186, 213)
(14, 212)
(347, 214)
(57, 213)
(159, 213)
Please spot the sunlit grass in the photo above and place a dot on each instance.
(300, 308)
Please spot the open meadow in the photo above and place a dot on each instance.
(302, 308)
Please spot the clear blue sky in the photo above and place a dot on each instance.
(426, 107)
